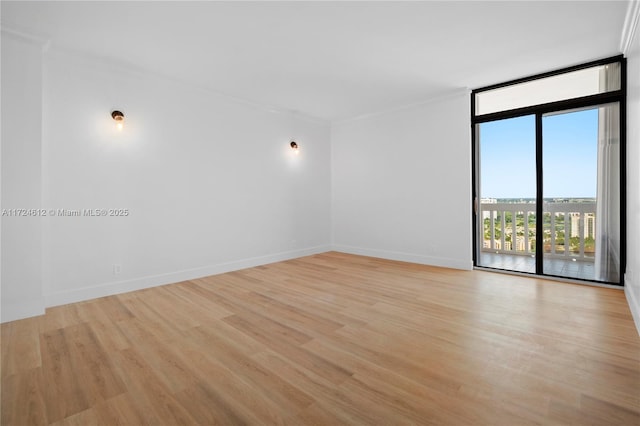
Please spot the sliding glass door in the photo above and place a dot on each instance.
(581, 186)
(507, 187)
(547, 191)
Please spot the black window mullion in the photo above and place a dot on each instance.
(539, 197)
(623, 170)
(563, 105)
(605, 61)
(474, 189)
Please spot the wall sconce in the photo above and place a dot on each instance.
(294, 147)
(119, 118)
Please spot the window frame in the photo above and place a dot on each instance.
(539, 110)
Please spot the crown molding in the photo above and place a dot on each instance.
(630, 26)
(15, 34)
(436, 98)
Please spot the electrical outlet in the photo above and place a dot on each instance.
(117, 269)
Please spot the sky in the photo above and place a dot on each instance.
(508, 156)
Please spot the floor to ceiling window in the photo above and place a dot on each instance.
(549, 173)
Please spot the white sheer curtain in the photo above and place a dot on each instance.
(607, 232)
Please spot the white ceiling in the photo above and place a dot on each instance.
(331, 60)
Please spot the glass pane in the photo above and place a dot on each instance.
(581, 186)
(507, 188)
(589, 81)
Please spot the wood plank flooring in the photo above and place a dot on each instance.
(325, 340)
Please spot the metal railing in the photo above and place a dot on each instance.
(569, 229)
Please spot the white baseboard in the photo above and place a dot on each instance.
(118, 287)
(634, 304)
(407, 257)
(24, 309)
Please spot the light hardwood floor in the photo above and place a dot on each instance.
(325, 340)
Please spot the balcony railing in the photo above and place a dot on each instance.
(569, 229)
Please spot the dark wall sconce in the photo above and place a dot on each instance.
(119, 118)
(294, 147)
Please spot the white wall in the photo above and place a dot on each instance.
(402, 184)
(210, 182)
(21, 177)
(632, 278)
